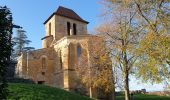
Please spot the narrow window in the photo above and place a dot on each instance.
(68, 28)
(49, 28)
(61, 64)
(74, 29)
(43, 63)
(78, 53)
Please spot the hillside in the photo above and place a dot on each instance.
(40, 92)
(20, 91)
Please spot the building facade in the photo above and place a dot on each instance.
(65, 40)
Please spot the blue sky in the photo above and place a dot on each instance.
(30, 14)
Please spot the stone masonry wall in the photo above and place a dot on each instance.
(33, 68)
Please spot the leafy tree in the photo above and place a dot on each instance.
(5, 47)
(151, 18)
(19, 42)
(95, 69)
(154, 16)
(122, 39)
(155, 46)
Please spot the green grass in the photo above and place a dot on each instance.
(145, 97)
(18, 91)
(40, 92)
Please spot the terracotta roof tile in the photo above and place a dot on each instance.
(65, 12)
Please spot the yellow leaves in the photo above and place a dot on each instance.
(154, 51)
(149, 69)
(155, 46)
(104, 80)
(124, 1)
(127, 2)
(95, 68)
(152, 48)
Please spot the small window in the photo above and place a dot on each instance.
(49, 28)
(68, 28)
(78, 53)
(74, 29)
(43, 73)
(41, 82)
(61, 63)
(44, 63)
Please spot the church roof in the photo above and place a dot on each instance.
(65, 12)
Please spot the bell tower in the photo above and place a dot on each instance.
(63, 22)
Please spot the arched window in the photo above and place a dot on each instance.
(78, 52)
(74, 29)
(68, 28)
(44, 63)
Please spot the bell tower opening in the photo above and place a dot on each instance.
(68, 28)
(74, 29)
(63, 22)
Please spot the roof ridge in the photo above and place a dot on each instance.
(66, 12)
(64, 8)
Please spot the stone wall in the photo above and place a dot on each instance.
(53, 27)
(68, 45)
(61, 60)
(31, 66)
(55, 63)
(47, 41)
(59, 28)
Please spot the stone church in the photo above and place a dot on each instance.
(65, 39)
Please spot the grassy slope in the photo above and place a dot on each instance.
(145, 97)
(40, 92)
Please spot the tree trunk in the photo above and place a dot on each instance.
(114, 93)
(90, 92)
(127, 95)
